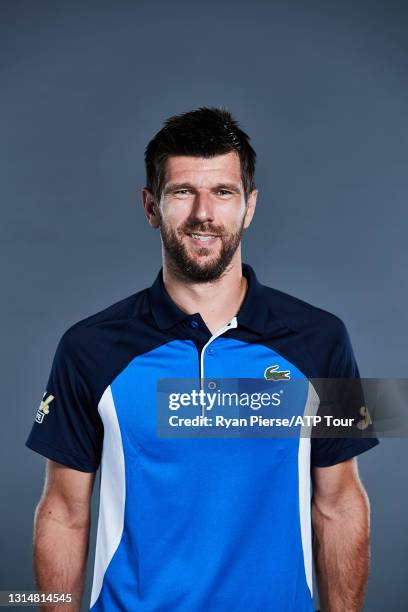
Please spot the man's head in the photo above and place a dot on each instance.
(200, 190)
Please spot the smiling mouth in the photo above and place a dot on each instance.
(203, 237)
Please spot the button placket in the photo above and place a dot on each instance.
(210, 351)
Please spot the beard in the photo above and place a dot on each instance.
(191, 267)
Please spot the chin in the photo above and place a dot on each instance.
(203, 261)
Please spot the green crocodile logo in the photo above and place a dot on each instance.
(273, 373)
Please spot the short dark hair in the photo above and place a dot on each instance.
(205, 132)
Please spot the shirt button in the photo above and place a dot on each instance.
(211, 351)
(194, 324)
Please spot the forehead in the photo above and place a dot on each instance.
(185, 168)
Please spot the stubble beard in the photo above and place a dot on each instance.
(191, 268)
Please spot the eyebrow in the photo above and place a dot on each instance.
(227, 186)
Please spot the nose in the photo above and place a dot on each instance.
(203, 207)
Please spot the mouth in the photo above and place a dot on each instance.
(203, 238)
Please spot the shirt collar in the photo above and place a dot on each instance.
(252, 314)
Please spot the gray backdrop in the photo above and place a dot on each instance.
(322, 89)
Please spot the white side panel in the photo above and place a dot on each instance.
(312, 404)
(112, 493)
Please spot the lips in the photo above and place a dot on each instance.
(202, 240)
(203, 237)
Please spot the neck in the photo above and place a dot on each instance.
(217, 301)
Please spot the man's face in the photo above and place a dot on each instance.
(202, 214)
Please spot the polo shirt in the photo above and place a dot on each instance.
(192, 524)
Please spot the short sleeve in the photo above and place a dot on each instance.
(330, 451)
(67, 427)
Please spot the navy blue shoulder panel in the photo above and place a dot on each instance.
(315, 340)
(89, 355)
(322, 334)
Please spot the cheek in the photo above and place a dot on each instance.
(174, 213)
(234, 216)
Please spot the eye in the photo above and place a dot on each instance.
(181, 191)
(224, 192)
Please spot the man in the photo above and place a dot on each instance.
(194, 524)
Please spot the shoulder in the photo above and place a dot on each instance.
(98, 331)
(319, 333)
(299, 315)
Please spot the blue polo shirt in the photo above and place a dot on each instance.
(193, 524)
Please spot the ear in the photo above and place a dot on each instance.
(150, 208)
(251, 204)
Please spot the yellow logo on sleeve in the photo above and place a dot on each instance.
(44, 407)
